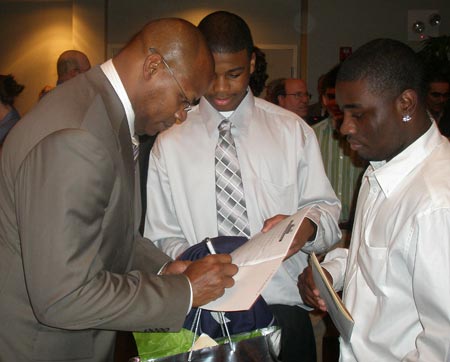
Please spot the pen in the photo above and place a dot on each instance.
(210, 246)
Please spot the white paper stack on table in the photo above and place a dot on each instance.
(258, 260)
(336, 308)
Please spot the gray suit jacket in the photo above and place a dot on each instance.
(73, 267)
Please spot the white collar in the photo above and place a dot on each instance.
(111, 73)
(390, 174)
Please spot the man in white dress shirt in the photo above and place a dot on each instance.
(395, 276)
(281, 170)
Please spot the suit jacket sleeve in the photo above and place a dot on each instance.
(78, 247)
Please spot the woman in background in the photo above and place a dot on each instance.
(9, 90)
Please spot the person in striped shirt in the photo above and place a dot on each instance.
(342, 165)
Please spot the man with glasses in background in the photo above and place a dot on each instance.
(291, 94)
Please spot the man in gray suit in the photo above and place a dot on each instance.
(73, 267)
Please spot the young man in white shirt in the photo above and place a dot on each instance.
(395, 275)
(280, 165)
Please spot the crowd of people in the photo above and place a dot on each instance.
(114, 175)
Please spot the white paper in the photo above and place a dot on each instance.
(336, 308)
(203, 341)
(258, 260)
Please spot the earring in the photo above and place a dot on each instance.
(406, 118)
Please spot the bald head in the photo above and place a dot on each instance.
(164, 66)
(71, 63)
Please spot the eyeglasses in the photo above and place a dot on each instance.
(186, 103)
(299, 95)
(438, 95)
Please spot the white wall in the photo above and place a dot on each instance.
(34, 33)
(275, 21)
(331, 24)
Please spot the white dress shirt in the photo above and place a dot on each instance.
(281, 170)
(397, 279)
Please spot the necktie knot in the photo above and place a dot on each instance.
(224, 127)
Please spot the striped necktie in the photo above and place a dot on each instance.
(135, 144)
(232, 217)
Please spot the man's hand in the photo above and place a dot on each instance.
(308, 291)
(306, 232)
(209, 277)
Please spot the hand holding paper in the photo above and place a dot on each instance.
(308, 289)
(336, 308)
(258, 260)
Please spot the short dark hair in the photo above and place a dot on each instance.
(259, 76)
(389, 66)
(329, 78)
(435, 77)
(9, 89)
(226, 33)
(278, 89)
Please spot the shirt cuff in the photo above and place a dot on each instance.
(191, 297)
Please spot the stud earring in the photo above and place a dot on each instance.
(406, 118)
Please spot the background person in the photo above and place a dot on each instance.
(438, 95)
(9, 116)
(343, 166)
(70, 63)
(291, 94)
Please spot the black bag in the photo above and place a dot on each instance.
(257, 317)
(249, 336)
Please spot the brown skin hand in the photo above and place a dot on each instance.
(306, 232)
(209, 277)
(308, 291)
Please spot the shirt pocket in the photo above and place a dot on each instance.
(372, 261)
(273, 199)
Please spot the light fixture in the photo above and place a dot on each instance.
(423, 23)
(434, 19)
(418, 27)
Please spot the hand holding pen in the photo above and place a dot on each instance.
(210, 276)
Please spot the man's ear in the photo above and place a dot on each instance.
(407, 103)
(151, 64)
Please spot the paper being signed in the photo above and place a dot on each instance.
(258, 260)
